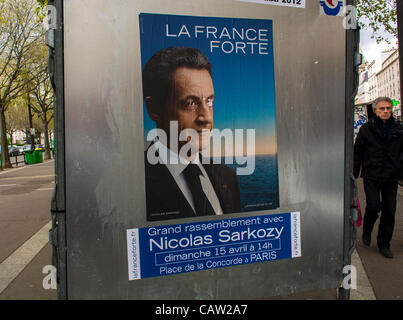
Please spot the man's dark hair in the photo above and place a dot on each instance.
(158, 71)
(381, 99)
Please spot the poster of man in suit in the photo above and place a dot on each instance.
(209, 116)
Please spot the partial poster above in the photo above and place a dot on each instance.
(209, 116)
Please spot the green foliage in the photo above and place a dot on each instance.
(43, 3)
(378, 15)
(41, 9)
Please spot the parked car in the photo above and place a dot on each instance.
(13, 151)
(21, 149)
(27, 147)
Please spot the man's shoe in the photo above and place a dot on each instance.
(366, 239)
(385, 251)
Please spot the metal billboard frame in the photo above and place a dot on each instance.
(55, 39)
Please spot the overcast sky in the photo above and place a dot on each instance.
(370, 48)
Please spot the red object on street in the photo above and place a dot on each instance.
(359, 220)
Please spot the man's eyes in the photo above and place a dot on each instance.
(193, 104)
(210, 102)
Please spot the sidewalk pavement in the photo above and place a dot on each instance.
(24, 249)
(385, 275)
(377, 277)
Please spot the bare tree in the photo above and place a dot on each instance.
(16, 118)
(20, 35)
(43, 104)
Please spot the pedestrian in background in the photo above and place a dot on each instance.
(378, 153)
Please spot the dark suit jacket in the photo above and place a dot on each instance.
(165, 200)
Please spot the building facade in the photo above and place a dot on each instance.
(389, 77)
(373, 68)
(389, 80)
(363, 96)
(381, 78)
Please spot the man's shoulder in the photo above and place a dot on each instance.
(220, 169)
(398, 124)
(368, 124)
(368, 127)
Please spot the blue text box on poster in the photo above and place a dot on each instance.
(174, 249)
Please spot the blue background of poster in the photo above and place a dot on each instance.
(244, 92)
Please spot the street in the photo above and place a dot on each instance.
(25, 195)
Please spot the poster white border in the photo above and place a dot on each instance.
(280, 3)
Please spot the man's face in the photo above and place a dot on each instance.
(383, 110)
(191, 104)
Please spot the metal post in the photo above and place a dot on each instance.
(57, 234)
(399, 10)
(352, 62)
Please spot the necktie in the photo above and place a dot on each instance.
(202, 204)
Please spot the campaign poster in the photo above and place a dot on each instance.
(181, 248)
(210, 145)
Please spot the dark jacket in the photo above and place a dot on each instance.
(378, 150)
(165, 200)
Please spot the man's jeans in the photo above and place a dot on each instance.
(374, 190)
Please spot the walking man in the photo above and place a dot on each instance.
(378, 152)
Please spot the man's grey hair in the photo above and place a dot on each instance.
(381, 99)
(158, 71)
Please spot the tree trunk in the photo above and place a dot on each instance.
(47, 147)
(12, 131)
(5, 158)
(11, 138)
(30, 122)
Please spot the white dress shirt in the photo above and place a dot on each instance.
(176, 171)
